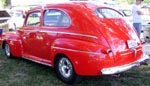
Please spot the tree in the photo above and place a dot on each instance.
(146, 1)
(131, 1)
(5, 3)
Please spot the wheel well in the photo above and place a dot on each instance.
(3, 44)
(74, 77)
(61, 55)
(58, 56)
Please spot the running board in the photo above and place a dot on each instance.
(37, 61)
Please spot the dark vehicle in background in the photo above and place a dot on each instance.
(4, 17)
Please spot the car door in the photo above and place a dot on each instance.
(55, 22)
(30, 35)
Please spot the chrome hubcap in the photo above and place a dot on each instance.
(65, 67)
(7, 50)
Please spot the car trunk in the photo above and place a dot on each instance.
(123, 41)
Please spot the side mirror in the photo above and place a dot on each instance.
(1, 31)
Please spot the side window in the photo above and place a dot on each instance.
(56, 18)
(33, 19)
(108, 13)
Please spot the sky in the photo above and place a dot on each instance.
(35, 2)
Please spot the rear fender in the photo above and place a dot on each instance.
(85, 56)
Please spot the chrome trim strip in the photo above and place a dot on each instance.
(129, 52)
(36, 61)
(126, 53)
(139, 49)
(121, 68)
(15, 40)
(79, 51)
(69, 33)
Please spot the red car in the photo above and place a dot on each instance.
(76, 39)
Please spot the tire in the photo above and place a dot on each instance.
(65, 70)
(7, 50)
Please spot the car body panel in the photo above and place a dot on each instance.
(14, 40)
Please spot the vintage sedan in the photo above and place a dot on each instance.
(76, 39)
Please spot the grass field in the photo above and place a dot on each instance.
(21, 72)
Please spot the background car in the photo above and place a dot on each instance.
(4, 17)
(16, 20)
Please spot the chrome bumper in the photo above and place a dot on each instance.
(118, 69)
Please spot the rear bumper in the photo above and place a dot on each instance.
(118, 69)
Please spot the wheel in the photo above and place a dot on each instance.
(65, 70)
(7, 50)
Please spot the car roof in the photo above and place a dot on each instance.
(77, 5)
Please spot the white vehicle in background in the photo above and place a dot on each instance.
(16, 20)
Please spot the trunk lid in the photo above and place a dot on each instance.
(118, 33)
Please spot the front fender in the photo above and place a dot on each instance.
(86, 57)
(14, 41)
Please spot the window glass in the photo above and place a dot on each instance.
(108, 13)
(33, 19)
(127, 12)
(56, 18)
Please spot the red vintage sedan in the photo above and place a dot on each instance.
(76, 39)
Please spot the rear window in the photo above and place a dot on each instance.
(108, 13)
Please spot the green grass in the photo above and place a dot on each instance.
(21, 72)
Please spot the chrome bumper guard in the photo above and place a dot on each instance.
(117, 69)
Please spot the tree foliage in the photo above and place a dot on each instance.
(147, 1)
(131, 1)
(5, 2)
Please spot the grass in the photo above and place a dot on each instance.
(21, 72)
